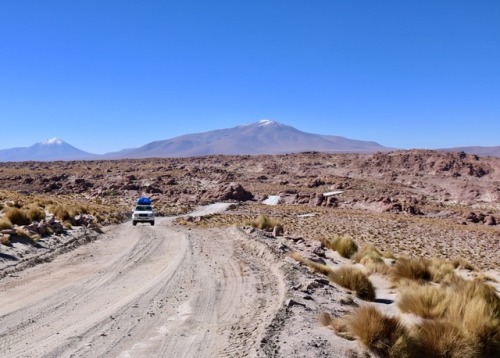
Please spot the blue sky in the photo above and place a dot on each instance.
(107, 75)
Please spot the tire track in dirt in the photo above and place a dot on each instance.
(144, 291)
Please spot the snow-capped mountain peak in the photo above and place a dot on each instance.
(52, 141)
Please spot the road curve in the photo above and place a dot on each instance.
(144, 291)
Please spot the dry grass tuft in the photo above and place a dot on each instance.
(4, 240)
(437, 338)
(344, 245)
(347, 277)
(5, 223)
(410, 269)
(371, 258)
(314, 266)
(17, 216)
(385, 336)
(354, 280)
(463, 264)
(35, 213)
(425, 301)
(262, 222)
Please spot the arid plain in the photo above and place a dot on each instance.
(433, 214)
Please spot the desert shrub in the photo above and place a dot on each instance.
(4, 240)
(59, 211)
(314, 266)
(410, 269)
(440, 270)
(371, 258)
(463, 264)
(438, 338)
(354, 280)
(385, 336)
(347, 277)
(344, 245)
(262, 222)
(35, 213)
(5, 223)
(17, 216)
(423, 300)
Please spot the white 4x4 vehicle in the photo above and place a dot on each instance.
(143, 213)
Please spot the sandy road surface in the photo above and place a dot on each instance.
(144, 291)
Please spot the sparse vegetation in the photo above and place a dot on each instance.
(344, 245)
(347, 276)
(385, 336)
(5, 223)
(262, 222)
(355, 280)
(373, 260)
(17, 216)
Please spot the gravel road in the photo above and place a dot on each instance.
(144, 291)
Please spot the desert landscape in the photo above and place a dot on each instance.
(292, 255)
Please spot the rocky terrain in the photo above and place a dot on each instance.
(416, 204)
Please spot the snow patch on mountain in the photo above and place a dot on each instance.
(52, 141)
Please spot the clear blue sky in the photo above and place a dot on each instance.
(107, 75)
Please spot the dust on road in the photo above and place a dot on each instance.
(155, 291)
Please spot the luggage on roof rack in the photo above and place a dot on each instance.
(143, 201)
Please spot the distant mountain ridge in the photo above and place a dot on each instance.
(262, 137)
(481, 151)
(49, 150)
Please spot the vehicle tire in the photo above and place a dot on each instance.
(134, 223)
(152, 223)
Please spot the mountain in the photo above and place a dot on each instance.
(49, 150)
(262, 137)
(481, 151)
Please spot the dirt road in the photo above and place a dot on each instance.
(144, 291)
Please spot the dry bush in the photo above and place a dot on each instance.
(437, 338)
(354, 280)
(347, 277)
(4, 240)
(463, 264)
(425, 300)
(344, 245)
(440, 270)
(410, 269)
(314, 266)
(17, 216)
(35, 213)
(262, 222)
(59, 211)
(385, 336)
(5, 223)
(371, 258)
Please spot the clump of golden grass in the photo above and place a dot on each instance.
(406, 268)
(423, 300)
(262, 222)
(373, 260)
(423, 270)
(355, 280)
(466, 310)
(59, 211)
(385, 336)
(5, 223)
(17, 216)
(36, 213)
(438, 338)
(344, 245)
(4, 240)
(463, 264)
(440, 270)
(347, 276)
